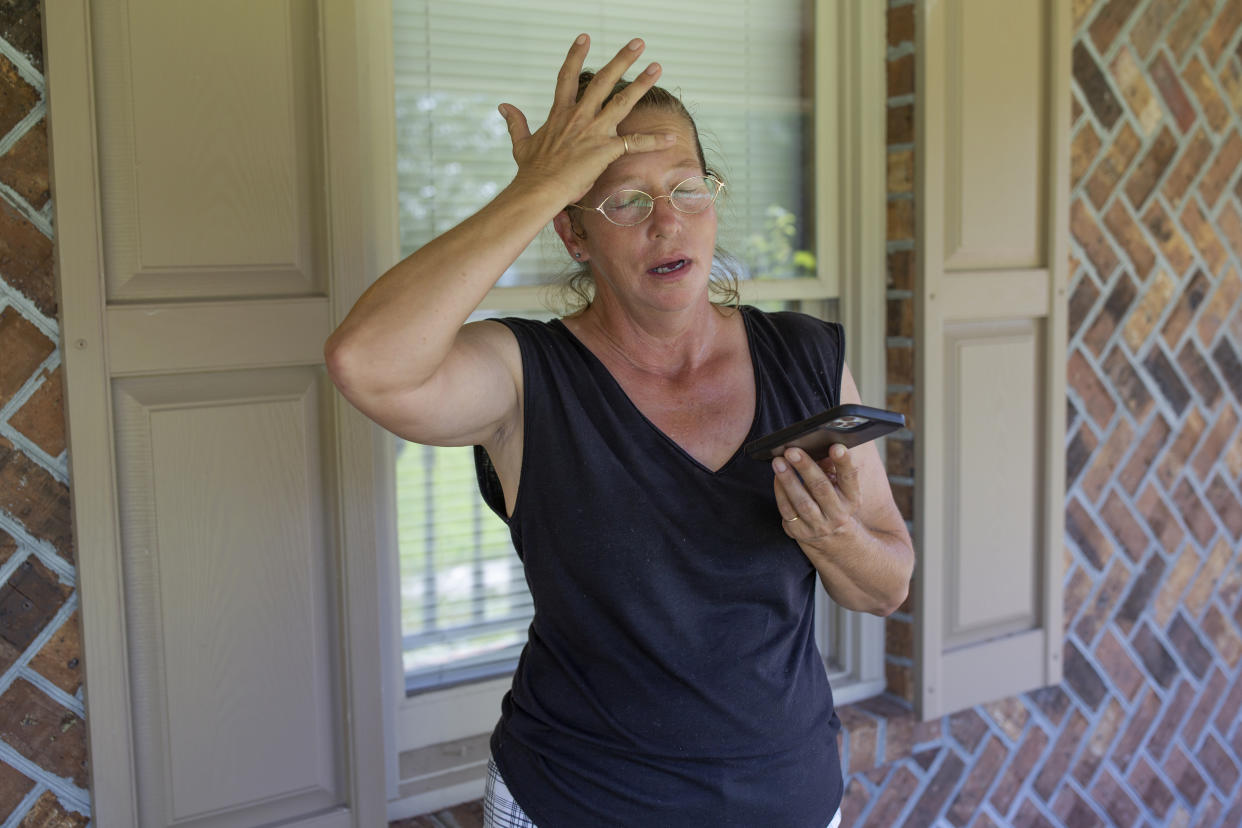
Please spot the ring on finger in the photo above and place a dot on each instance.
(625, 142)
(792, 519)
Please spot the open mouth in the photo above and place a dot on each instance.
(670, 267)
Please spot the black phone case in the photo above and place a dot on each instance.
(816, 435)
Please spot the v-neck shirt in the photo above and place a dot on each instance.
(670, 675)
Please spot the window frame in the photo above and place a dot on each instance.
(439, 736)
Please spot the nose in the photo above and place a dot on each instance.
(664, 216)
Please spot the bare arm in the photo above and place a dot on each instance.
(402, 355)
(847, 523)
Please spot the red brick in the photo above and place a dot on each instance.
(1221, 171)
(854, 802)
(1159, 294)
(1192, 17)
(1156, 658)
(1132, 81)
(1127, 233)
(13, 789)
(1225, 503)
(1081, 301)
(1019, 769)
(1112, 167)
(1217, 309)
(1188, 302)
(30, 598)
(1081, 447)
(862, 737)
(1112, 797)
(1146, 30)
(1125, 526)
(900, 76)
(1028, 816)
(18, 96)
(1112, 656)
(22, 27)
(1175, 458)
(1219, 765)
(1170, 595)
(1097, 613)
(1111, 314)
(1194, 155)
(1230, 224)
(977, 783)
(901, 270)
(1074, 811)
(47, 734)
(936, 792)
(1184, 776)
(900, 787)
(1095, 87)
(901, 25)
(1203, 708)
(1058, 761)
(1174, 711)
(1135, 604)
(1221, 32)
(24, 347)
(1228, 712)
(1084, 147)
(1164, 76)
(24, 168)
(1151, 788)
(36, 499)
(1096, 748)
(1142, 181)
(1169, 239)
(1106, 460)
(42, 418)
(968, 729)
(26, 258)
(1109, 21)
(1077, 588)
(1197, 371)
(1164, 525)
(1208, 580)
(1086, 383)
(60, 660)
(1199, 80)
(48, 812)
(1135, 729)
(1194, 513)
(1145, 455)
(1093, 240)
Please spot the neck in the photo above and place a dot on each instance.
(657, 341)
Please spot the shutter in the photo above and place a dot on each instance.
(990, 348)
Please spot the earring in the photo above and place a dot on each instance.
(577, 254)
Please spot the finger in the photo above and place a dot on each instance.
(605, 79)
(515, 121)
(800, 500)
(847, 478)
(646, 141)
(623, 102)
(783, 504)
(567, 79)
(816, 482)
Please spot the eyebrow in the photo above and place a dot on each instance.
(632, 183)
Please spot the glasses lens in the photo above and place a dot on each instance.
(627, 207)
(694, 195)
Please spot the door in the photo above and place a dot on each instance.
(232, 659)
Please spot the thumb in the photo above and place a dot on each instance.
(519, 129)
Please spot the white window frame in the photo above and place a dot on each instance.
(440, 736)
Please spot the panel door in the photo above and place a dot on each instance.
(232, 665)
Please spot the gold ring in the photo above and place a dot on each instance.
(792, 519)
(625, 142)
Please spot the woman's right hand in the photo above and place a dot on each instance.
(579, 139)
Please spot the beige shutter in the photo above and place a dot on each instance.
(231, 646)
(993, 110)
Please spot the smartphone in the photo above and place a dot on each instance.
(849, 425)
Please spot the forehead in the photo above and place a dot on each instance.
(653, 165)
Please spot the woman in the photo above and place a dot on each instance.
(670, 676)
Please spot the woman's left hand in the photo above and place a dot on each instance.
(817, 500)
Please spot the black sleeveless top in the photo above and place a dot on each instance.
(671, 676)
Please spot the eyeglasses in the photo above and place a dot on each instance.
(630, 207)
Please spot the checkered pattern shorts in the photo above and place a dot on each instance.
(500, 811)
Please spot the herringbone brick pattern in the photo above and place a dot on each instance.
(43, 760)
(1145, 730)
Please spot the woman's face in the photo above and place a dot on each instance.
(665, 261)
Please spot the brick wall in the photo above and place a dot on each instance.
(43, 759)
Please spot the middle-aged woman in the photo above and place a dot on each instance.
(670, 676)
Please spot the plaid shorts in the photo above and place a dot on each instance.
(500, 811)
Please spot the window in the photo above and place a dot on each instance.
(768, 104)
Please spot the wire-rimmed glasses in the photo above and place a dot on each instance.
(627, 208)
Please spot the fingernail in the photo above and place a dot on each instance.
(582, 38)
(653, 68)
(669, 137)
(636, 44)
(794, 455)
(779, 465)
